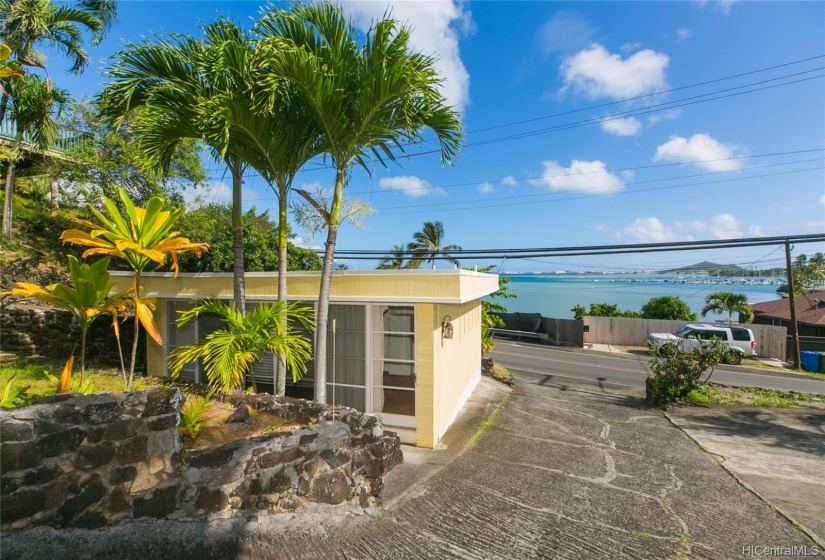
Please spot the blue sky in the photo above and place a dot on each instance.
(599, 175)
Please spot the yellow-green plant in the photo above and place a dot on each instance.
(192, 416)
(74, 386)
(229, 353)
(85, 300)
(145, 236)
(13, 396)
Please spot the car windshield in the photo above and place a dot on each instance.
(683, 331)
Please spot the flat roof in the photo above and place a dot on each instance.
(391, 286)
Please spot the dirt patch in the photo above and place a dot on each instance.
(216, 431)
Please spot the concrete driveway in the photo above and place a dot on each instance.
(562, 472)
(780, 453)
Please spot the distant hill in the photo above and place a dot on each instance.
(711, 268)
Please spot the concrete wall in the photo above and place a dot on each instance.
(770, 341)
(98, 460)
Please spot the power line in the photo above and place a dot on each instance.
(516, 253)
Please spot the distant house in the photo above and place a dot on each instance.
(810, 313)
(393, 354)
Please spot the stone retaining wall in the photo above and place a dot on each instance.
(52, 333)
(98, 460)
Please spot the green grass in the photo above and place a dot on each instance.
(29, 371)
(752, 396)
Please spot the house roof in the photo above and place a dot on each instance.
(450, 286)
(810, 309)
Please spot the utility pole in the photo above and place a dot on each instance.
(792, 300)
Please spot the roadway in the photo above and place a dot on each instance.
(623, 372)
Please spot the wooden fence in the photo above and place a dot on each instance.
(564, 332)
(619, 331)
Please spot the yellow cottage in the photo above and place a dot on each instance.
(407, 343)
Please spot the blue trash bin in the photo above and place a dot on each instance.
(810, 360)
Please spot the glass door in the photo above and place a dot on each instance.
(346, 356)
(393, 364)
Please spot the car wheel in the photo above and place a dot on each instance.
(734, 358)
(667, 349)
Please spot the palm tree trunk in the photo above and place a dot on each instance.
(239, 291)
(54, 196)
(323, 295)
(7, 200)
(4, 103)
(11, 174)
(280, 381)
(323, 317)
(131, 378)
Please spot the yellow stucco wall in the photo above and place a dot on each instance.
(427, 336)
(458, 361)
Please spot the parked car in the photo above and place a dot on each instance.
(689, 337)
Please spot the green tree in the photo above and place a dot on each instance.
(34, 108)
(602, 310)
(730, 303)
(105, 158)
(169, 89)
(86, 299)
(395, 260)
(668, 307)
(26, 25)
(426, 245)
(146, 236)
(488, 309)
(212, 224)
(229, 353)
(368, 95)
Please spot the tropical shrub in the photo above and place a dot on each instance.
(602, 310)
(228, 354)
(192, 416)
(676, 371)
(13, 397)
(668, 307)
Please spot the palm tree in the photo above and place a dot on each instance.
(368, 98)
(728, 302)
(395, 260)
(229, 354)
(426, 245)
(180, 88)
(34, 110)
(145, 236)
(25, 25)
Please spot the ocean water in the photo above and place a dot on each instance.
(554, 296)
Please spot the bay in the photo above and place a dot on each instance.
(554, 296)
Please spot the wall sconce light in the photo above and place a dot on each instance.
(447, 329)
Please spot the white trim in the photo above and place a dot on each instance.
(338, 299)
(468, 390)
(302, 273)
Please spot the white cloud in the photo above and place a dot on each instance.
(650, 230)
(486, 188)
(588, 176)
(594, 72)
(436, 28)
(627, 126)
(409, 185)
(511, 181)
(822, 199)
(653, 230)
(630, 47)
(755, 230)
(683, 34)
(669, 115)
(565, 31)
(700, 148)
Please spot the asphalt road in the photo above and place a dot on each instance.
(624, 371)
